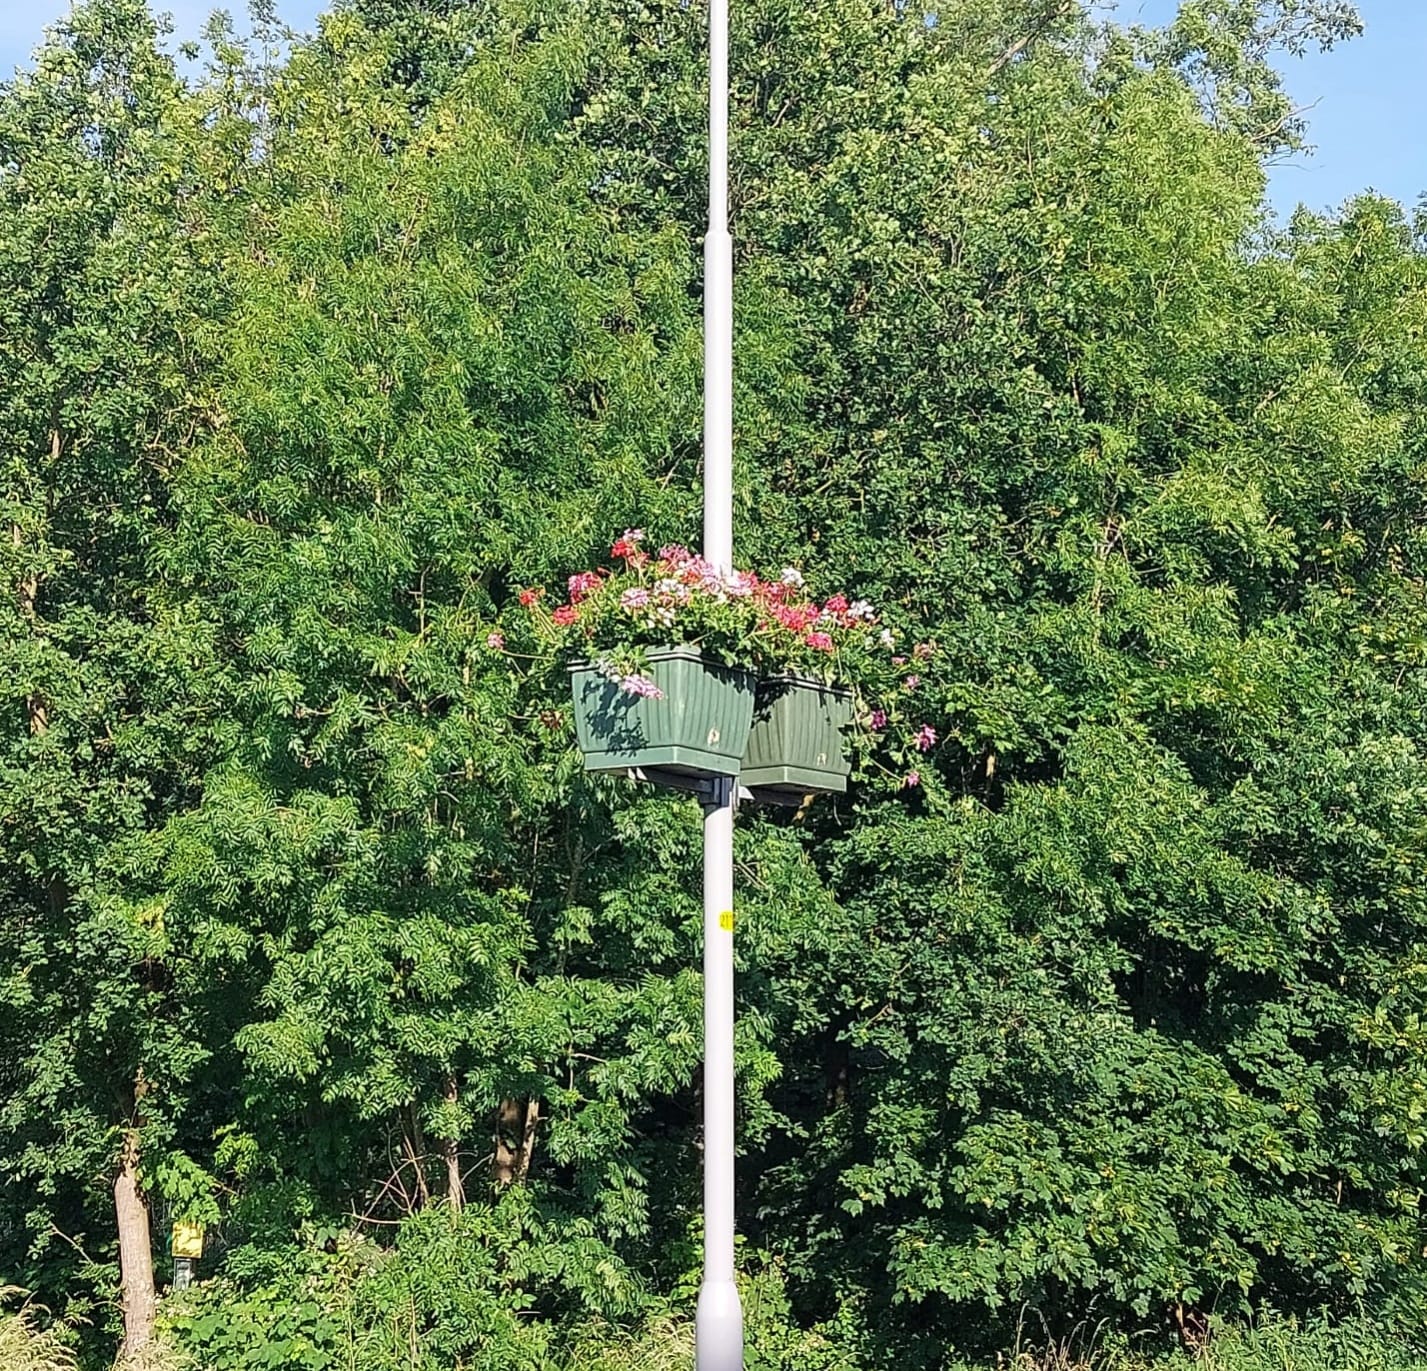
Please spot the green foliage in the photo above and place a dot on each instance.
(311, 367)
(1279, 1344)
(26, 1346)
(462, 1292)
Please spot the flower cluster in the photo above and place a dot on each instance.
(675, 596)
(771, 625)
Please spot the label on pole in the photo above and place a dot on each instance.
(725, 921)
(188, 1241)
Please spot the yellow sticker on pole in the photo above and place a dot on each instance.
(725, 921)
(188, 1240)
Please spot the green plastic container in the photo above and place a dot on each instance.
(796, 745)
(700, 727)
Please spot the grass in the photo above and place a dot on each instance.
(27, 1346)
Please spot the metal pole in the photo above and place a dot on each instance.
(719, 1326)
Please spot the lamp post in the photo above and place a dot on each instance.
(719, 1323)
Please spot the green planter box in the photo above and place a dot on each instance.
(796, 745)
(699, 728)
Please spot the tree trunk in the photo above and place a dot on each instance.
(515, 1139)
(451, 1155)
(136, 1254)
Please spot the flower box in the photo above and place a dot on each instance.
(796, 745)
(696, 726)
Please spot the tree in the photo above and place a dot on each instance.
(99, 299)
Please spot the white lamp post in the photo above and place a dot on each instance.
(720, 1317)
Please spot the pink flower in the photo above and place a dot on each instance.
(821, 641)
(565, 615)
(923, 650)
(912, 682)
(879, 719)
(899, 661)
(676, 553)
(640, 685)
(636, 597)
(795, 618)
(530, 594)
(495, 641)
(926, 738)
(697, 571)
(913, 779)
(581, 583)
(836, 605)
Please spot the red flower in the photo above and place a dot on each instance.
(837, 605)
(627, 545)
(566, 615)
(795, 618)
(821, 641)
(530, 594)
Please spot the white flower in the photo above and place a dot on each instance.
(886, 637)
(791, 576)
(860, 609)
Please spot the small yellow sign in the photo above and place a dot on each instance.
(725, 921)
(188, 1240)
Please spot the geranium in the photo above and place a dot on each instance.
(926, 738)
(795, 618)
(879, 720)
(530, 595)
(677, 597)
(627, 545)
(636, 684)
(581, 583)
(495, 641)
(912, 779)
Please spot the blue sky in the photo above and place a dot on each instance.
(1368, 98)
